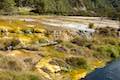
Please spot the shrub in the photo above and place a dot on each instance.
(28, 30)
(77, 62)
(91, 25)
(107, 31)
(9, 44)
(61, 48)
(11, 63)
(111, 41)
(107, 51)
(43, 41)
(58, 62)
(80, 41)
(7, 6)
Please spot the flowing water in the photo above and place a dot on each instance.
(109, 72)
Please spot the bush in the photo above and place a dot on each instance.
(91, 25)
(28, 30)
(11, 63)
(7, 6)
(43, 41)
(107, 51)
(107, 31)
(80, 41)
(111, 41)
(8, 44)
(77, 62)
(58, 62)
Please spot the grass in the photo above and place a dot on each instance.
(11, 75)
(78, 73)
(51, 51)
(107, 51)
(76, 57)
(77, 62)
(11, 63)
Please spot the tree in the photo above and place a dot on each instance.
(38, 4)
(63, 7)
(7, 6)
(24, 3)
(53, 6)
(49, 6)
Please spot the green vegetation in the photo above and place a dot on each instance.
(7, 6)
(29, 50)
(12, 68)
(91, 25)
(10, 75)
(109, 8)
(26, 55)
(77, 62)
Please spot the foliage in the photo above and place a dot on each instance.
(63, 7)
(107, 51)
(107, 31)
(49, 6)
(77, 62)
(6, 6)
(91, 25)
(8, 44)
(81, 41)
(108, 8)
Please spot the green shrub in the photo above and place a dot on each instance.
(107, 51)
(58, 62)
(111, 41)
(68, 45)
(43, 41)
(28, 30)
(8, 44)
(81, 41)
(91, 25)
(77, 62)
(7, 7)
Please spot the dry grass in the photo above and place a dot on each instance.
(31, 34)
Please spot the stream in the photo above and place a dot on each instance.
(110, 72)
